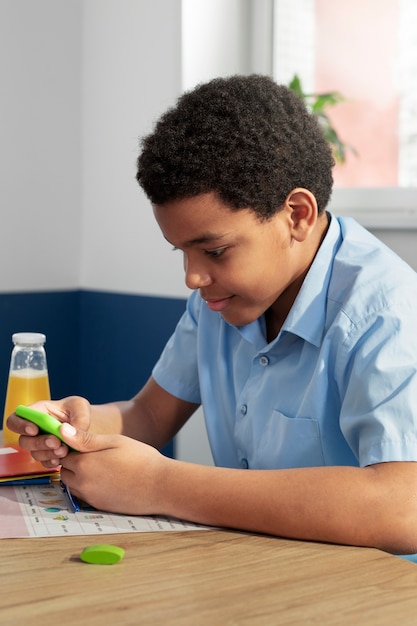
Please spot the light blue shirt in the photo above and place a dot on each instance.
(338, 385)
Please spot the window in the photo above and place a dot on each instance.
(366, 50)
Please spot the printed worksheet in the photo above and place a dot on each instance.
(44, 511)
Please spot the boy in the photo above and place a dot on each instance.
(298, 340)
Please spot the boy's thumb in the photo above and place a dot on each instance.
(78, 439)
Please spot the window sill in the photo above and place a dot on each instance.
(385, 208)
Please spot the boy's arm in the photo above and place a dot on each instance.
(373, 506)
(153, 415)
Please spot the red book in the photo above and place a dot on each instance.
(17, 463)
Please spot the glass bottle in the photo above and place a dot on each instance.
(28, 377)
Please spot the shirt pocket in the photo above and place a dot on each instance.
(293, 442)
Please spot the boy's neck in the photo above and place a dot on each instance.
(276, 315)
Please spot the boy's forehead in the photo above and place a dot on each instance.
(199, 220)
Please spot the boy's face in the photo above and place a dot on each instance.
(240, 265)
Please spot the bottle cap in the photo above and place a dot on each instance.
(29, 339)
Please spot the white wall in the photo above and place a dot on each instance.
(81, 81)
(131, 74)
(215, 39)
(40, 144)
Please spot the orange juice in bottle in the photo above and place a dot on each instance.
(28, 377)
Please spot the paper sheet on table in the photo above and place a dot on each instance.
(43, 511)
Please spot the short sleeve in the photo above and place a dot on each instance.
(176, 371)
(379, 407)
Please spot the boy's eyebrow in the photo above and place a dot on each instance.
(204, 238)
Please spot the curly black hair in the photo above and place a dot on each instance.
(245, 138)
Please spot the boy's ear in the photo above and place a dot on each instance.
(303, 210)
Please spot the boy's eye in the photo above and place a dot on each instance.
(215, 253)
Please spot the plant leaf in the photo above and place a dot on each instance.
(295, 86)
(317, 103)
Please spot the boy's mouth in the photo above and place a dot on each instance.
(219, 304)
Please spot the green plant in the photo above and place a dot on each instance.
(317, 103)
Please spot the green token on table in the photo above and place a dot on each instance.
(102, 554)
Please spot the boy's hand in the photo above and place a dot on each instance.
(112, 472)
(48, 449)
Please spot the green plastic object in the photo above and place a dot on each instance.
(102, 554)
(45, 422)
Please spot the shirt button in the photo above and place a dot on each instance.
(243, 409)
(263, 360)
(244, 463)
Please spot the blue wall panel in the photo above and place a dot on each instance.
(99, 345)
(56, 314)
(121, 338)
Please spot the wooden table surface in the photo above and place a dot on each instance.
(204, 577)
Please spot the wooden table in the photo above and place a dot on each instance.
(199, 578)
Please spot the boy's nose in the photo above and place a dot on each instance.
(195, 277)
(196, 280)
